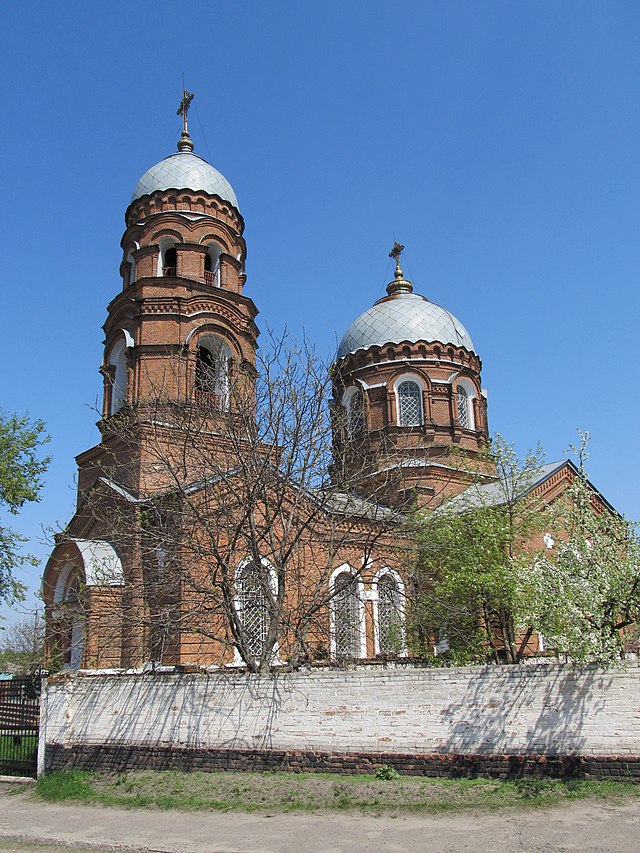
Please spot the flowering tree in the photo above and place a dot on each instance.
(474, 562)
(587, 587)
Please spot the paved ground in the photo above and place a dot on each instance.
(28, 825)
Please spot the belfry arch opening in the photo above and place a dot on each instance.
(118, 374)
(167, 257)
(212, 372)
(212, 265)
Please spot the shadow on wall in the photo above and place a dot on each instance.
(187, 711)
(495, 714)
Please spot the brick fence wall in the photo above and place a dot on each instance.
(527, 720)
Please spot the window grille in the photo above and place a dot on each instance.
(346, 616)
(463, 408)
(410, 401)
(252, 607)
(355, 413)
(390, 628)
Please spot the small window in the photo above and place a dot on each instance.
(410, 404)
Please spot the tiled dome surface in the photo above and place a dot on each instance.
(404, 317)
(185, 171)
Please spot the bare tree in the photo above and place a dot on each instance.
(21, 644)
(233, 534)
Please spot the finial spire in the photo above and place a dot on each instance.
(399, 283)
(185, 143)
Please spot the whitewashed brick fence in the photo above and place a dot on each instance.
(533, 719)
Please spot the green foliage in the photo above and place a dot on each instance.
(473, 560)
(386, 773)
(587, 587)
(65, 785)
(21, 470)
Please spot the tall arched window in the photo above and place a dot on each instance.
(390, 622)
(355, 413)
(463, 407)
(212, 372)
(346, 616)
(409, 404)
(118, 363)
(465, 395)
(252, 605)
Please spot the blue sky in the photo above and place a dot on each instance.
(497, 140)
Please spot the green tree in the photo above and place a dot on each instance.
(587, 587)
(474, 560)
(21, 470)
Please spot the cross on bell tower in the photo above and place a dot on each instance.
(185, 143)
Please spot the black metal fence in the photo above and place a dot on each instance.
(19, 713)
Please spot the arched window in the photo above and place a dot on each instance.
(252, 604)
(118, 363)
(167, 257)
(463, 407)
(347, 616)
(212, 373)
(390, 615)
(409, 404)
(212, 265)
(464, 404)
(355, 413)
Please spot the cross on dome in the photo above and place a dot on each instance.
(399, 283)
(185, 143)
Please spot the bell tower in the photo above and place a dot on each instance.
(180, 331)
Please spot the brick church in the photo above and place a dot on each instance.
(200, 536)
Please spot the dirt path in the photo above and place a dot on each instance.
(29, 824)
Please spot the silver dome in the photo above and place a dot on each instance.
(185, 171)
(403, 317)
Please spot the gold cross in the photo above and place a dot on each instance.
(397, 250)
(183, 109)
(395, 253)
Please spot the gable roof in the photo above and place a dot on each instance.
(495, 494)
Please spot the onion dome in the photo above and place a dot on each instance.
(184, 170)
(403, 316)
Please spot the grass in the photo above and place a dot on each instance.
(318, 792)
(18, 747)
